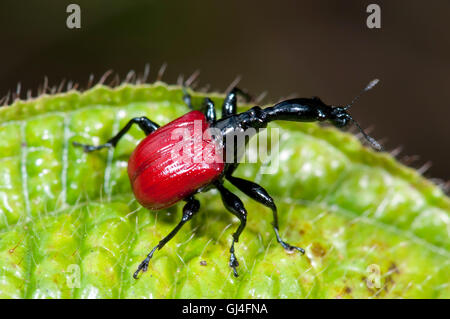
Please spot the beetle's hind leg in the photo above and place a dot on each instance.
(189, 210)
(236, 207)
(144, 123)
(259, 194)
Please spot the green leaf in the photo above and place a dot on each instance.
(70, 227)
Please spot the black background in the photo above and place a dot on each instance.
(309, 48)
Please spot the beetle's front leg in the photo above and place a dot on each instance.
(192, 206)
(236, 207)
(229, 105)
(144, 123)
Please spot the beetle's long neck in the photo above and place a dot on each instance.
(299, 110)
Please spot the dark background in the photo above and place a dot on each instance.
(309, 48)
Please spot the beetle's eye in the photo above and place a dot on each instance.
(340, 121)
(339, 117)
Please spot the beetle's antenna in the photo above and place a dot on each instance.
(371, 140)
(367, 88)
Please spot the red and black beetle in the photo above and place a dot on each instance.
(159, 179)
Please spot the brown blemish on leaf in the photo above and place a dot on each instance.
(366, 284)
(203, 263)
(347, 290)
(318, 250)
(393, 268)
(389, 280)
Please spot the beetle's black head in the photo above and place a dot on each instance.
(339, 117)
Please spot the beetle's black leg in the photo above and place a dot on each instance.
(230, 103)
(236, 207)
(144, 123)
(192, 206)
(187, 99)
(260, 195)
(210, 110)
(208, 106)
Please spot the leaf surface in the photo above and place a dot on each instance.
(70, 227)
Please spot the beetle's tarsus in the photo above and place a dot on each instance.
(233, 264)
(144, 123)
(290, 249)
(235, 273)
(90, 148)
(189, 210)
(143, 266)
(233, 260)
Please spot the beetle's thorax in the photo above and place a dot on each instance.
(236, 130)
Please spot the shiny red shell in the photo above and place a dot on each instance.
(174, 162)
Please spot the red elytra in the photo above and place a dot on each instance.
(160, 175)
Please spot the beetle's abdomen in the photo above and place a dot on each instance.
(174, 162)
